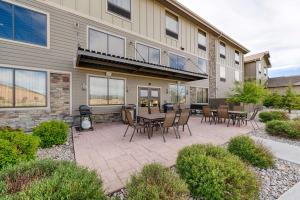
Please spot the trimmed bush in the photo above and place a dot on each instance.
(213, 173)
(156, 182)
(249, 151)
(17, 146)
(52, 133)
(48, 179)
(273, 115)
(288, 129)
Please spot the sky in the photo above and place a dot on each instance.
(259, 25)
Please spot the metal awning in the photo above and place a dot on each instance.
(96, 60)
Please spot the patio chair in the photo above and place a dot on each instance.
(183, 121)
(237, 108)
(168, 122)
(207, 113)
(251, 119)
(154, 110)
(223, 115)
(135, 126)
(224, 106)
(143, 111)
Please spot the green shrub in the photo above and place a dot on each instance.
(288, 129)
(249, 151)
(48, 179)
(8, 128)
(17, 146)
(52, 133)
(273, 115)
(213, 173)
(273, 100)
(157, 183)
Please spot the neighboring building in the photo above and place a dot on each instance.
(280, 84)
(256, 67)
(143, 52)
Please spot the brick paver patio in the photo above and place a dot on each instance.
(115, 159)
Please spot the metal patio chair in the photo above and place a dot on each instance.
(183, 121)
(251, 119)
(136, 126)
(168, 122)
(207, 113)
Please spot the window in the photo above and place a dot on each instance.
(105, 43)
(265, 71)
(106, 91)
(172, 25)
(176, 61)
(177, 93)
(147, 54)
(237, 57)
(202, 65)
(259, 66)
(13, 25)
(198, 95)
(201, 40)
(222, 73)
(120, 7)
(222, 50)
(237, 75)
(22, 88)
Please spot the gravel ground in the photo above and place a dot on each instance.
(274, 182)
(263, 134)
(59, 152)
(278, 180)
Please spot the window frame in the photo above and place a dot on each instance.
(202, 88)
(223, 79)
(259, 66)
(223, 45)
(14, 86)
(177, 96)
(119, 15)
(105, 32)
(37, 11)
(206, 69)
(237, 74)
(178, 55)
(236, 52)
(201, 46)
(170, 33)
(107, 97)
(149, 46)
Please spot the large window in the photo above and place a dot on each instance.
(237, 57)
(22, 88)
(120, 7)
(105, 43)
(202, 64)
(198, 95)
(147, 54)
(106, 91)
(222, 50)
(176, 61)
(201, 40)
(222, 73)
(177, 93)
(172, 25)
(237, 75)
(22, 25)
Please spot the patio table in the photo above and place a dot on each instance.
(152, 118)
(234, 114)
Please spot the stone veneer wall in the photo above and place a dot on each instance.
(212, 63)
(59, 106)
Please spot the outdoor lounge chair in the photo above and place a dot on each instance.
(169, 122)
(136, 126)
(207, 114)
(183, 121)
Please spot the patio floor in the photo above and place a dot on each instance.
(115, 159)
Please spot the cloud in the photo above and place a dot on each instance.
(260, 25)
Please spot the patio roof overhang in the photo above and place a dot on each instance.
(96, 60)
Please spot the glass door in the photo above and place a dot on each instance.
(149, 97)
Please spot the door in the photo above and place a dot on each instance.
(149, 97)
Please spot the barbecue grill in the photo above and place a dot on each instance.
(85, 118)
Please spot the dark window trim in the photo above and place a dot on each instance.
(222, 56)
(200, 46)
(171, 34)
(107, 97)
(224, 45)
(223, 79)
(118, 10)
(14, 88)
(237, 62)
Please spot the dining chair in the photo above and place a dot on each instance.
(251, 119)
(154, 110)
(168, 122)
(183, 121)
(207, 113)
(135, 126)
(143, 111)
(223, 114)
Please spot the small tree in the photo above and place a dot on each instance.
(249, 92)
(273, 99)
(290, 99)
